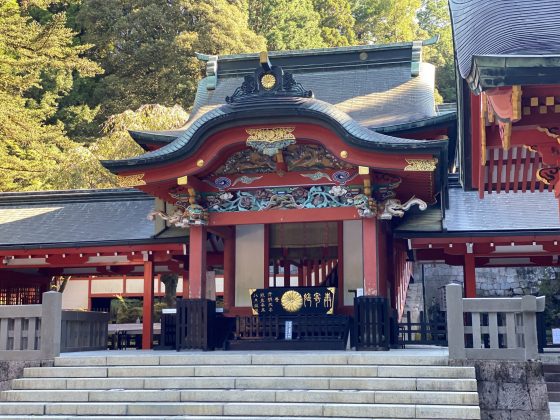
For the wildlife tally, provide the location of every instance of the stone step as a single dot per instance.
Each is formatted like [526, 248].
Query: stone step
[553, 386]
[252, 370]
[551, 368]
[551, 377]
[553, 396]
[268, 358]
[244, 409]
[250, 395]
[43, 417]
[390, 384]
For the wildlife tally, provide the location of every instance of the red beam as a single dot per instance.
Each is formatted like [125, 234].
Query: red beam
[283, 216]
[90, 251]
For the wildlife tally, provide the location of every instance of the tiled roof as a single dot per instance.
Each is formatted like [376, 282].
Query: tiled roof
[268, 109]
[71, 217]
[467, 213]
[374, 85]
[495, 212]
[504, 30]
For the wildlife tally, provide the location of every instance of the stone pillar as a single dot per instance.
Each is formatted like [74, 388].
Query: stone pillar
[148, 305]
[51, 318]
[369, 247]
[197, 262]
[455, 325]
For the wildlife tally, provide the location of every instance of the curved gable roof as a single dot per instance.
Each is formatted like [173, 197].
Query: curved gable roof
[270, 110]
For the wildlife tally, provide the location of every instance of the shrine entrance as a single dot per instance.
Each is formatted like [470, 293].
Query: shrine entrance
[303, 254]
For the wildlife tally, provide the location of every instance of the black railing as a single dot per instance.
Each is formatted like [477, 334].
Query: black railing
[311, 332]
[544, 335]
[168, 333]
[372, 326]
[422, 332]
[194, 324]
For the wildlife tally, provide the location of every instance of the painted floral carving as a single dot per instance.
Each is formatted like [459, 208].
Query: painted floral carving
[281, 198]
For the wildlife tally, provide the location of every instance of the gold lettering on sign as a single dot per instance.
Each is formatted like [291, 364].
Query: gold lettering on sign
[270, 135]
[421, 165]
[130, 180]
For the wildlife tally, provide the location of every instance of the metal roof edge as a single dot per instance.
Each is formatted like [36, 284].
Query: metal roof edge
[65, 196]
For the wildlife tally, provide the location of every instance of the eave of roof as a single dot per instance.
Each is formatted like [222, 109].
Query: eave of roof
[503, 28]
[491, 71]
[321, 58]
[271, 110]
[165, 137]
[71, 196]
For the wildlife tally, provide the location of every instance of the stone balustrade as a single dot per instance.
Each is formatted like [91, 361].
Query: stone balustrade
[510, 331]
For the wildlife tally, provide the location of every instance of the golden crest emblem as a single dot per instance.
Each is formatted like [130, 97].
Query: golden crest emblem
[291, 301]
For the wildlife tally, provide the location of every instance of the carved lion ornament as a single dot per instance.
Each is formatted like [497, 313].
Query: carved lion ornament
[182, 217]
[393, 207]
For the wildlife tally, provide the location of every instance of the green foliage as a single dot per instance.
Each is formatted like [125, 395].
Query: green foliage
[71, 71]
[337, 22]
[80, 165]
[550, 287]
[147, 48]
[286, 24]
[126, 310]
[37, 61]
[386, 21]
[433, 19]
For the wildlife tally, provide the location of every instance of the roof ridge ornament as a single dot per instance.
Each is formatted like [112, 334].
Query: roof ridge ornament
[268, 81]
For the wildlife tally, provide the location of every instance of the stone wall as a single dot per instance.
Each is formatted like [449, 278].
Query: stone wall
[14, 369]
[510, 389]
[490, 282]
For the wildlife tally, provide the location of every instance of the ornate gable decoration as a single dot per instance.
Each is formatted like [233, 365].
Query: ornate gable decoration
[268, 80]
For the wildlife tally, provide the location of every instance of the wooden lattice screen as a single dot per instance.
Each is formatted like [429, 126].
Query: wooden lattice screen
[27, 295]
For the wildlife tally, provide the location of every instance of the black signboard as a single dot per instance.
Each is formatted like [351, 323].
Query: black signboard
[293, 300]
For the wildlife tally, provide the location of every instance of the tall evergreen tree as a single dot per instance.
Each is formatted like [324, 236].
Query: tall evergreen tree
[37, 61]
[385, 21]
[286, 24]
[337, 22]
[147, 47]
[433, 19]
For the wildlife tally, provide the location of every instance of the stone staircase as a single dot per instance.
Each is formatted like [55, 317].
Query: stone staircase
[552, 379]
[235, 386]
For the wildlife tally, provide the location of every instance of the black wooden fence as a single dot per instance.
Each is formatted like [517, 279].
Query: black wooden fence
[195, 324]
[372, 326]
[301, 332]
[424, 331]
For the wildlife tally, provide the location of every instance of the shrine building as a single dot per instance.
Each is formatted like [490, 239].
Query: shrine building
[314, 176]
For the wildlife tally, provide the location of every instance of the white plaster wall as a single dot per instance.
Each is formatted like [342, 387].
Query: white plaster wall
[75, 295]
[134, 285]
[249, 262]
[353, 265]
[106, 286]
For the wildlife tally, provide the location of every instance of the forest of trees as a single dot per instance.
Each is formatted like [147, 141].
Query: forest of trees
[76, 74]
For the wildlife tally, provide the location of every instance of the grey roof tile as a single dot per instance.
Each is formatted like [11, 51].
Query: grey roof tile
[498, 27]
[54, 219]
[513, 211]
